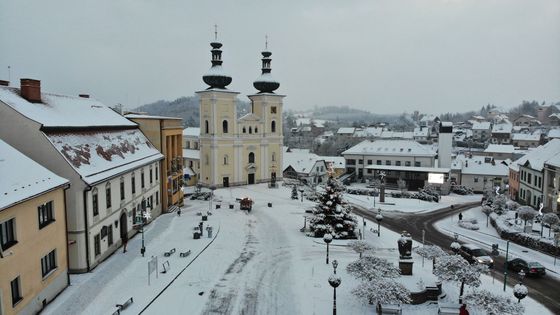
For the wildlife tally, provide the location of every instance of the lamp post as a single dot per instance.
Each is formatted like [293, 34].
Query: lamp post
[328, 239]
[335, 264]
[520, 291]
[455, 246]
[301, 192]
[143, 249]
[212, 188]
[334, 281]
[379, 217]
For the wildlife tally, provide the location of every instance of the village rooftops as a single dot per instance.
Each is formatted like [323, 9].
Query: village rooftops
[502, 128]
[23, 178]
[480, 165]
[420, 169]
[346, 131]
[64, 112]
[526, 136]
[536, 158]
[191, 132]
[483, 125]
[191, 154]
[301, 160]
[500, 148]
[554, 133]
[142, 116]
[390, 148]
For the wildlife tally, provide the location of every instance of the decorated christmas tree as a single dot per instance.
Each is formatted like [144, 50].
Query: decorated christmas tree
[332, 214]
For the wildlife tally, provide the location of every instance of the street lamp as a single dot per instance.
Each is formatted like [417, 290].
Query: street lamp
[334, 281]
[520, 291]
[379, 217]
[328, 239]
[143, 249]
[301, 192]
[212, 188]
[455, 246]
[335, 264]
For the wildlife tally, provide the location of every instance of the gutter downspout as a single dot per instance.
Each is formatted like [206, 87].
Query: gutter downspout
[66, 235]
[86, 227]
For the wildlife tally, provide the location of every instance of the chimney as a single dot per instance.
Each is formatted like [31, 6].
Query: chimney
[4, 83]
[84, 95]
[31, 90]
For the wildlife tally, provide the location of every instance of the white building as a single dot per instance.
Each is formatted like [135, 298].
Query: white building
[481, 131]
[305, 166]
[479, 172]
[552, 183]
[112, 167]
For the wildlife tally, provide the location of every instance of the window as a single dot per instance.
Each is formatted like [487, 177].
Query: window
[48, 263]
[529, 178]
[398, 163]
[273, 126]
[250, 130]
[122, 188]
[142, 184]
[387, 162]
[190, 163]
[133, 183]
[369, 162]
[94, 201]
[251, 157]
[206, 126]
[151, 175]
[360, 162]
[225, 126]
[273, 156]
[407, 163]
[16, 291]
[108, 195]
[97, 244]
[417, 163]
[45, 212]
[206, 159]
[476, 179]
[8, 234]
[226, 159]
[109, 234]
[188, 144]
[157, 198]
[244, 130]
[273, 109]
[351, 162]
[379, 162]
[157, 173]
[256, 130]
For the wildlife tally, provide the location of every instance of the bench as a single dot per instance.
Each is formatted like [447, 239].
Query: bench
[163, 265]
[123, 306]
[169, 253]
[185, 254]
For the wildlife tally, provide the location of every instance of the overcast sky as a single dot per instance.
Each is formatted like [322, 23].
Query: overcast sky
[384, 56]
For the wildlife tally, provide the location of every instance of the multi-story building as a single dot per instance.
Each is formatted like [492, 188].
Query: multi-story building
[527, 140]
[552, 183]
[33, 264]
[513, 181]
[478, 172]
[481, 131]
[191, 155]
[239, 151]
[501, 133]
[305, 166]
[112, 167]
[166, 134]
[532, 181]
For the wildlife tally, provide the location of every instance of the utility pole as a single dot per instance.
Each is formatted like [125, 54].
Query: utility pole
[506, 265]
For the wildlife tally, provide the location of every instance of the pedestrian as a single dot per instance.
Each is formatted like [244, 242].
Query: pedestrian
[463, 310]
[124, 238]
[460, 216]
[179, 212]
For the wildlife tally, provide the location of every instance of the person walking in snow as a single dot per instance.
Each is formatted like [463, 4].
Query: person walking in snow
[124, 238]
[463, 310]
[460, 216]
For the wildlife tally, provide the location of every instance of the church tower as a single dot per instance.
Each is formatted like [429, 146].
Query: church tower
[267, 105]
[218, 123]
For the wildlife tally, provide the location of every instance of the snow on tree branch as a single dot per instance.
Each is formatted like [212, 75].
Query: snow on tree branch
[456, 268]
[382, 290]
[493, 304]
[430, 251]
[372, 268]
[360, 247]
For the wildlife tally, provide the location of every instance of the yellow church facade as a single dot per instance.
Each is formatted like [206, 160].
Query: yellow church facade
[239, 150]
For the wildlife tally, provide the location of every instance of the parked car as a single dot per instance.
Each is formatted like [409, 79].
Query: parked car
[475, 254]
[531, 268]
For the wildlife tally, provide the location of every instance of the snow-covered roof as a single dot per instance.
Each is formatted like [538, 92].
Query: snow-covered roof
[526, 136]
[554, 161]
[140, 116]
[479, 165]
[537, 157]
[301, 160]
[23, 178]
[482, 125]
[502, 128]
[64, 111]
[346, 130]
[421, 169]
[188, 171]
[319, 123]
[500, 148]
[337, 161]
[191, 132]
[97, 156]
[554, 133]
[249, 117]
[390, 147]
[420, 132]
[191, 154]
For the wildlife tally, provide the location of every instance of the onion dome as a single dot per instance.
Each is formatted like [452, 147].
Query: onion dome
[265, 83]
[215, 77]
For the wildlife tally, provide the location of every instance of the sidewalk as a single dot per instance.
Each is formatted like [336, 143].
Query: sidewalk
[486, 236]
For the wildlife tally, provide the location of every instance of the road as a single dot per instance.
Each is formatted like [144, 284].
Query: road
[540, 289]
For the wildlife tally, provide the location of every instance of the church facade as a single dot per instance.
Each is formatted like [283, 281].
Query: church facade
[239, 150]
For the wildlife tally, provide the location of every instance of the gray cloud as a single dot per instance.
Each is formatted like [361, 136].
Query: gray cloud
[384, 56]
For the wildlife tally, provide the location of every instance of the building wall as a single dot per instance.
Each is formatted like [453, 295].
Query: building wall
[361, 161]
[531, 184]
[480, 182]
[551, 188]
[513, 184]
[24, 258]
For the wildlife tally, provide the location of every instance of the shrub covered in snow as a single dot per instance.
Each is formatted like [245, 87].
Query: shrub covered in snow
[551, 220]
[294, 192]
[456, 269]
[360, 247]
[471, 224]
[331, 214]
[461, 190]
[430, 252]
[382, 291]
[492, 304]
[372, 268]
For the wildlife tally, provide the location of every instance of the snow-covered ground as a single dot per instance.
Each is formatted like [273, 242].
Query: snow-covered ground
[258, 263]
[404, 205]
[486, 236]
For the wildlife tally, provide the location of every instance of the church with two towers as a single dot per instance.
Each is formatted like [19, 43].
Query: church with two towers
[239, 150]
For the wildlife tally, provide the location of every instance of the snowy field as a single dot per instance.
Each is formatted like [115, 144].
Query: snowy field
[404, 205]
[486, 236]
[257, 263]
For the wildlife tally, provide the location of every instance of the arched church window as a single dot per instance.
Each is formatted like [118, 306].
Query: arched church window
[244, 130]
[226, 159]
[251, 156]
[273, 126]
[250, 129]
[273, 156]
[206, 126]
[225, 126]
[256, 130]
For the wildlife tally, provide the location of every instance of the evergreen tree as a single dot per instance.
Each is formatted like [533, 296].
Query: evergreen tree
[294, 192]
[332, 214]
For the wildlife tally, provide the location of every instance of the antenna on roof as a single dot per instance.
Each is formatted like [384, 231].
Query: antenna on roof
[215, 32]
[9, 74]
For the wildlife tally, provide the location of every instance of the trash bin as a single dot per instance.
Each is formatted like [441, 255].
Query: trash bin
[196, 235]
[231, 206]
[204, 218]
[270, 204]
[218, 206]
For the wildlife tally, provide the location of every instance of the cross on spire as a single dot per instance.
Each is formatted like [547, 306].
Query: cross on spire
[215, 31]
